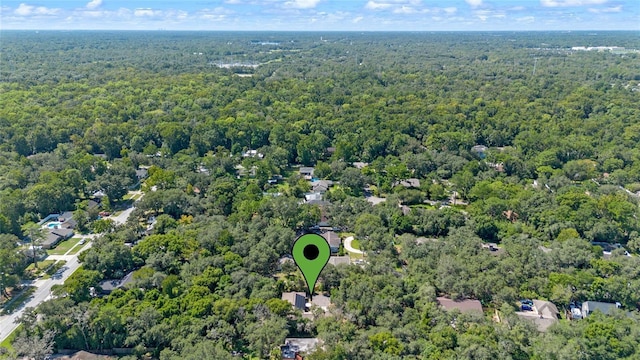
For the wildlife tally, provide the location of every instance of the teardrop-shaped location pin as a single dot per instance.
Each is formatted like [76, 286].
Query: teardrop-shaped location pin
[311, 253]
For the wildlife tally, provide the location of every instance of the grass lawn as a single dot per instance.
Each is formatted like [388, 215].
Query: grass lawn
[132, 196]
[18, 300]
[76, 249]
[355, 244]
[423, 206]
[42, 265]
[7, 342]
[64, 246]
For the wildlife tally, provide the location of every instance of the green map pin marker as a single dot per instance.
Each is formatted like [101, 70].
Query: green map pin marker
[311, 253]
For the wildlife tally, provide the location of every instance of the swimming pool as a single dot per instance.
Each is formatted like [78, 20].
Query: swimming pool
[54, 225]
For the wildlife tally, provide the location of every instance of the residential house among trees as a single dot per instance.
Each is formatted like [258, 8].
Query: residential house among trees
[465, 306]
[589, 307]
[307, 172]
[334, 241]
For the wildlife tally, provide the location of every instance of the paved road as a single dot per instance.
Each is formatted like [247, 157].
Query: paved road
[122, 218]
[349, 248]
[43, 291]
[7, 324]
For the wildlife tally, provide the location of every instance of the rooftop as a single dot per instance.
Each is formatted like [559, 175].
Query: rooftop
[543, 314]
[409, 183]
[339, 260]
[332, 238]
[465, 306]
[112, 284]
[591, 306]
[296, 299]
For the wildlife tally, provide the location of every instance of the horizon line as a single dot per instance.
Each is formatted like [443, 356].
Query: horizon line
[331, 31]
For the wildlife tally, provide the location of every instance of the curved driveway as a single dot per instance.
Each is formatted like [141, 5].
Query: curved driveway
[349, 248]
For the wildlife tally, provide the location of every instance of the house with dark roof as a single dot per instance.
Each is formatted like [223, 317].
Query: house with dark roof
[296, 299]
[107, 286]
[465, 306]
[290, 352]
[334, 241]
[54, 236]
[67, 221]
[50, 240]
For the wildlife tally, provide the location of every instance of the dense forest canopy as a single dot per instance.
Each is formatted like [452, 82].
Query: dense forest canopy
[508, 138]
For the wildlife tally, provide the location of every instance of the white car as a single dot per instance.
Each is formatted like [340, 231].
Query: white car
[82, 241]
[576, 313]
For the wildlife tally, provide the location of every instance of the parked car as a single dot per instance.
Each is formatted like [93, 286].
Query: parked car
[525, 307]
[104, 213]
[576, 313]
[526, 302]
[82, 241]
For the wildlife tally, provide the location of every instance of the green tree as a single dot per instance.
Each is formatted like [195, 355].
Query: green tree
[36, 236]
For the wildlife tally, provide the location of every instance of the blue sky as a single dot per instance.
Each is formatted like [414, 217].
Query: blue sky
[322, 15]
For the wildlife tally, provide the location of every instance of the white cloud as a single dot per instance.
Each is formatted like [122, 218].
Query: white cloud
[146, 12]
[474, 3]
[568, 3]
[94, 4]
[357, 19]
[526, 19]
[302, 4]
[517, 8]
[404, 9]
[450, 10]
[484, 15]
[614, 9]
[30, 10]
[372, 5]
[95, 13]
[217, 14]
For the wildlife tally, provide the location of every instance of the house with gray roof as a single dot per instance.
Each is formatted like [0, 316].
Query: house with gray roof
[107, 286]
[339, 260]
[408, 183]
[589, 307]
[296, 299]
[321, 186]
[307, 172]
[465, 306]
[54, 236]
[334, 241]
